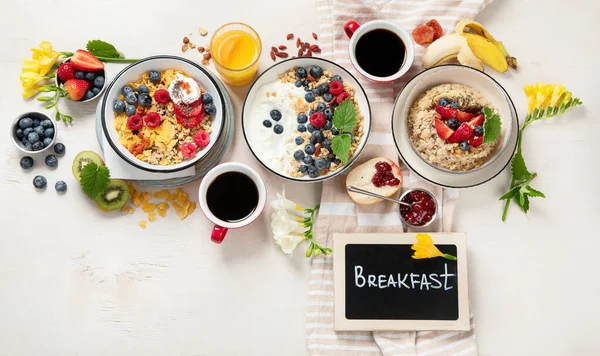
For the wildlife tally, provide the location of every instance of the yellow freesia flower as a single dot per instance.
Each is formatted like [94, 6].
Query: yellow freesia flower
[543, 95]
[424, 248]
[35, 70]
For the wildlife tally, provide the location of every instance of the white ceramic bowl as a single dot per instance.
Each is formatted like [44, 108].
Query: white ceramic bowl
[271, 75]
[491, 90]
[132, 73]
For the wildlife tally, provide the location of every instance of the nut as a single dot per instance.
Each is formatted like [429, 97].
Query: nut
[204, 62]
[186, 40]
[184, 48]
[202, 31]
[207, 56]
[200, 49]
[192, 45]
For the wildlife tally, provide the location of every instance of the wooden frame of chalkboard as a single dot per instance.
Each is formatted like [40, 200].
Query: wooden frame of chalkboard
[376, 309]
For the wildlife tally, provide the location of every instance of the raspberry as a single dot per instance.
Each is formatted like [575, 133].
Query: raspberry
[340, 98]
[152, 120]
[135, 122]
[188, 122]
[202, 138]
[188, 150]
[336, 87]
[318, 119]
[194, 109]
[162, 96]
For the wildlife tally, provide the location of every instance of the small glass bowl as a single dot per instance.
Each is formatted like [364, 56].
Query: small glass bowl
[434, 214]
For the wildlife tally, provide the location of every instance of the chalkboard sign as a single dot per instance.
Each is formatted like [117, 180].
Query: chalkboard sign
[379, 286]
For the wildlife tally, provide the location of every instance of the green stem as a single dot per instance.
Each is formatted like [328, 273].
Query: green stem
[528, 120]
[314, 248]
[449, 257]
[118, 60]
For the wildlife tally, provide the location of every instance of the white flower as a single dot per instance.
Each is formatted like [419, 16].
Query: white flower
[287, 223]
[282, 203]
[288, 243]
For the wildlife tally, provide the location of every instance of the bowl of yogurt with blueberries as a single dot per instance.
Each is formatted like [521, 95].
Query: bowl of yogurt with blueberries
[306, 119]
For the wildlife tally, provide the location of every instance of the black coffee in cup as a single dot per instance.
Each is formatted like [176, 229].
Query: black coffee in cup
[232, 196]
[380, 52]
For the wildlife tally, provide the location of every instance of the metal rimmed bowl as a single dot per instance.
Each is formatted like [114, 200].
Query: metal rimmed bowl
[432, 218]
[272, 75]
[34, 115]
[59, 82]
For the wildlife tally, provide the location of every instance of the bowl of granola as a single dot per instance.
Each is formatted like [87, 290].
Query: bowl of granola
[306, 119]
[162, 113]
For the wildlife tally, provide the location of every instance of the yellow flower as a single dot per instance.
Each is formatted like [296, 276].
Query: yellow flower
[424, 248]
[35, 70]
[543, 95]
[31, 81]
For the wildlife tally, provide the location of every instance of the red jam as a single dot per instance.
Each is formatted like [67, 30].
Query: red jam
[422, 208]
[384, 175]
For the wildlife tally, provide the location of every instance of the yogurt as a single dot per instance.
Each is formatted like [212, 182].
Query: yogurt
[184, 90]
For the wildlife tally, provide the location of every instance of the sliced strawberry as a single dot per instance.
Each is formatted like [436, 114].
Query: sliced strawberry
[446, 112]
[476, 141]
[463, 133]
[188, 122]
[462, 116]
[477, 121]
[65, 71]
[195, 109]
[86, 62]
[76, 88]
[443, 131]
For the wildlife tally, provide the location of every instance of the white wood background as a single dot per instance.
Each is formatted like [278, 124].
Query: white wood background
[76, 281]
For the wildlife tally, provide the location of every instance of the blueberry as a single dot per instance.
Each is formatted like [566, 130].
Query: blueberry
[79, 75]
[311, 112]
[36, 122]
[154, 76]
[90, 76]
[19, 133]
[321, 107]
[131, 98]
[127, 89]
[27, 131]
[478, 130]
[29, 146]
[37, 146]
[327, 97]
[88, 95]
[301, 128]
[51, 161]
[309, 97]
[326, 143]
[316, 92]
[210, 109]
[298, 83]
[464, 146]
[26, 162]
[453, 124]
[145, 100]
[275, 114]
[130, 110]
[328, 125]
[443, 102]
[46, 123]
[207, 98]
[310, 128]
[303, 169]
[47, 142]
[324, 88]
[118, 106]
[298, 155]
[328, 113]
[60, 186]
[39, 130]
[49, 133]
[302, 118]
[278, 129]
[299, 140]
[33, 137]
[337, 161]
[309, 149]
[39, 182]
[316, 72]
[454, 105]
[99, 82]
[337, 77]
[322, 163]
[95, 90]
[25, 123]
[59, 148]
[313, 172]
[316, 136]
[267, 123]
[24, 140]
[143, 89]
[308, 160]
[301, 73]
[306, 88]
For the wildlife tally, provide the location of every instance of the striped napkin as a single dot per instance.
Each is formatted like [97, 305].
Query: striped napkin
[339, 214]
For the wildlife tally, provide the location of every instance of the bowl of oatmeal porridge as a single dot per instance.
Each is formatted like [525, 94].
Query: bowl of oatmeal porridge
[162, 114]
[299, 114]
[442, 126]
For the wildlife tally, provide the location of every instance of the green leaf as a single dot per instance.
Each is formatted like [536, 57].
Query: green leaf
[523, 202]
[50, 106]
[340, 145]
[94, 179]
[102, 49]
[535, 193]
[511, 193]
[518, 167]
[44, 98]
[344, 117]
[491, 126]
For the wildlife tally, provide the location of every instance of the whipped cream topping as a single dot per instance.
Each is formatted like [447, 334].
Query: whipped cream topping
[184, 90]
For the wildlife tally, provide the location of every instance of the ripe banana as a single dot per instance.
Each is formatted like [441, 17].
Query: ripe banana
[450, 47]
[487, 52]
[479, 30]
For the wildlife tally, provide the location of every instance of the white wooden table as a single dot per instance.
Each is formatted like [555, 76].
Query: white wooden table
[75, 281]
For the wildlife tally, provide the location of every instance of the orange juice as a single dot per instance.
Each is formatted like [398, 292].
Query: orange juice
[235, 48]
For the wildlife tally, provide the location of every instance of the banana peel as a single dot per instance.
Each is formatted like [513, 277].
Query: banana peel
[480, 30]
[487, 52]
[450, 47]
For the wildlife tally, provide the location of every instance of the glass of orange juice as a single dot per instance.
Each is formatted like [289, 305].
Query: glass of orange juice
[235, 48]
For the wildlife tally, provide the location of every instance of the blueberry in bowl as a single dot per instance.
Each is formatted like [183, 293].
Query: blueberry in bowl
[82, 76]
[33, 132]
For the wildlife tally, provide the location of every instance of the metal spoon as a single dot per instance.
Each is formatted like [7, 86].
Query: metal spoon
[365, 192]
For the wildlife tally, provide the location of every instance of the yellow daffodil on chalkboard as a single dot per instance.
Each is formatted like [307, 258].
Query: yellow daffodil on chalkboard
[424, 248]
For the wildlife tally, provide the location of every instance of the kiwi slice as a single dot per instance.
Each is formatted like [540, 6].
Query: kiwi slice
[114, 196]
[83, 158]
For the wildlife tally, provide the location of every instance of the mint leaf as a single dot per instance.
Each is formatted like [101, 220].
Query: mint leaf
[491, 126]
[344, 117]
[94, 179]
[511, 193]
[102, 49]
[535, 193]
[518, 168]
[340, 145]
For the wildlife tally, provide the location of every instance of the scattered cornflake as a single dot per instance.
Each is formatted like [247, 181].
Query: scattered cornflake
[127, 209]
[146, 196]
[179, 200]
[152, 216]
[142, 224]
[148, 207]
[162, 206]
[162, 212]
[162, 194]
[202, 31]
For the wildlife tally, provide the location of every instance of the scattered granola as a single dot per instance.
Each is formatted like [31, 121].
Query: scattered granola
[164, 200]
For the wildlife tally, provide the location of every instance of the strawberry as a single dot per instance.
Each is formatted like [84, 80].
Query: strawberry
[188, 122]
[443, 131]
[476, 141]
[463, 133]
[477, 121]
[86, 62]
[446, 112]
[462, 116]
[195, 109]
[76, 88]
[66, 71]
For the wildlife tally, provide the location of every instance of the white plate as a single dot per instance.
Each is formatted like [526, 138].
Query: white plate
[133, 73]
[490, 89]
[271, 75]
